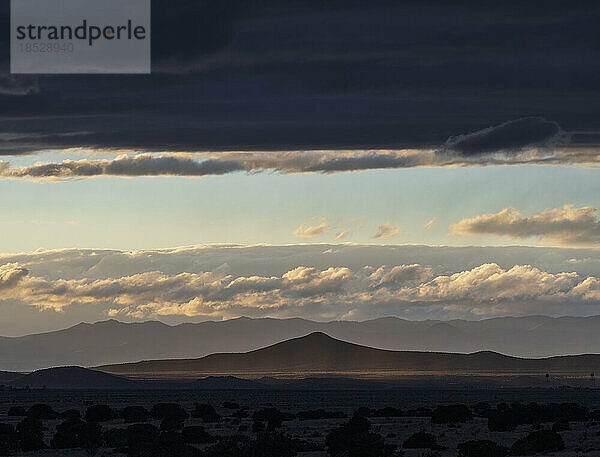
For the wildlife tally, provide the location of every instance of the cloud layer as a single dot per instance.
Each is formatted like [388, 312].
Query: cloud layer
[45, 290]
[509, 137]
[567, 226]
[338, 291]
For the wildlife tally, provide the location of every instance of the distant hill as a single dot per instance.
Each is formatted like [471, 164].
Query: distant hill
[72, 378]
[8, 376]
[226, 383]
[319, 353]
[110, 342]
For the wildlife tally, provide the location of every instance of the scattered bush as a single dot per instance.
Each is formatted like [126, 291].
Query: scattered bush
[30, 434]
[505, 418]
[115, 437]
[388, 412]
[241, 413]
[422, 440]
[230, 405]
[354, 439]
[481, 448]
[197, 435]
[41, 412]
[170, 424]
[540, 441]
[265, 445]
[131, 414]
[8, 439]
[451, 414]
[561, 426]
[257, 427]
[99, 413]
[272, 416]
[205, 412]
[70, 413]
[320, 414]
[162, 411]
[17, 411]
[73, 433]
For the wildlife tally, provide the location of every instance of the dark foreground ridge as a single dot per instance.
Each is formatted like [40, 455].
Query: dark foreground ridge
[317, 354]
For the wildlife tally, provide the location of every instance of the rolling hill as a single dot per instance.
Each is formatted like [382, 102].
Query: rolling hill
[318, 353]
[72, 378]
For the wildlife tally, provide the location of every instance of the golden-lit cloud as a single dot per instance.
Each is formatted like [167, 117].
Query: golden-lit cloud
[311, 231]
[430, 223]
[387, 231]
[566, 226]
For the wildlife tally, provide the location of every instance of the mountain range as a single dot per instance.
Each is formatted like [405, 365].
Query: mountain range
[319, 354]
[113, 342]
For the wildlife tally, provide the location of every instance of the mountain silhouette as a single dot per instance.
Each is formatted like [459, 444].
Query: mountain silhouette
[71, 378]
[318, 353]
[111, 342]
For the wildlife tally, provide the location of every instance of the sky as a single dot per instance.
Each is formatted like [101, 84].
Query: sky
[315, 130]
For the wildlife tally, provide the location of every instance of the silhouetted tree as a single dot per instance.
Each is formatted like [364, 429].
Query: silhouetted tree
[354, 439]
[162, 411]
[132, 414]
[540, 441]
[99, 413]
[42, 412]
[422, 440]
[481, 448]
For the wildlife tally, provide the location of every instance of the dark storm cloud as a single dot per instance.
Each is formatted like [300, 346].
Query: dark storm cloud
[511, 136]
[248, 75]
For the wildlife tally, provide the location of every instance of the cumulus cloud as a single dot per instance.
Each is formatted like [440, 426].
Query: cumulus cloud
[510, 137]
[341, 235]
[311, 231]
[487, 289]
[430, 223]
[11, 274]
[562, 226]
[387, 231]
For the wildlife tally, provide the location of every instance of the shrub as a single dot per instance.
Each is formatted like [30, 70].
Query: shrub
[170, 424]
[388, 412]
[354, 439]
[132, 414]
[481, 448]
[319, 414]
[17, 411]
[99, 413]
[540, 441]
[197, 435]
[74, 433]
[115, 437]
[205, 412]
[561, 426]
[42, 412]
[272, 415]
[241, 413]
[30, 434]
[8, 439]
[506, 418]
[70, 413]
[265, 445]
[230, 405]
[422, 440]
[451, 413]
[162, 411]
